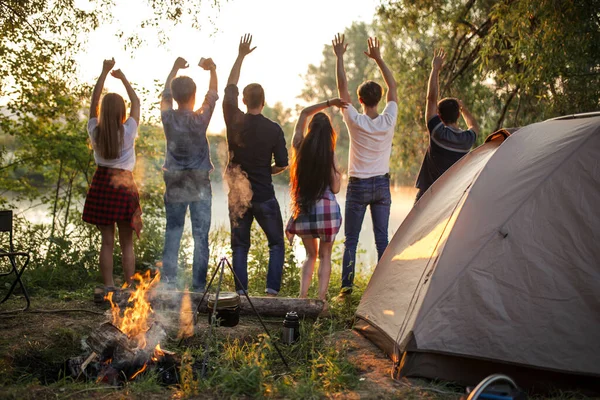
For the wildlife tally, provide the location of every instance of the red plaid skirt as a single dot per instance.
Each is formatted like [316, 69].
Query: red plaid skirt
[113, 197]
[323, 221]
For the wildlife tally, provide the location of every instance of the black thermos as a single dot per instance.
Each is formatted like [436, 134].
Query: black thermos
[291, 328]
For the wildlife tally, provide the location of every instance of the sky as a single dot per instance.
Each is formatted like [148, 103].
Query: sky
[289, 36]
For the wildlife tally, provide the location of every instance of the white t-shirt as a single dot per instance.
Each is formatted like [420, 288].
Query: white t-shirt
[127, 158]
[370, 141]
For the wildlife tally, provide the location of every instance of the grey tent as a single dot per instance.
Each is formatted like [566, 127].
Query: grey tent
[497, 267]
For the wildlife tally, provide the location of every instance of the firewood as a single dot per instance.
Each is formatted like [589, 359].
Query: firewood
[106, 338]
[274, 306]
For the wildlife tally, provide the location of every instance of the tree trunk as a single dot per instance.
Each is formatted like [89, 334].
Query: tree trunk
[69, 196]
[505, 108]
[56, 199]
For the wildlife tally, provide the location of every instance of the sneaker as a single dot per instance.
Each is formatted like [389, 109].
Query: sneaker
[345, 291]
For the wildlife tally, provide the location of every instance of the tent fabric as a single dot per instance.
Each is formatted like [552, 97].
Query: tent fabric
[500, 260]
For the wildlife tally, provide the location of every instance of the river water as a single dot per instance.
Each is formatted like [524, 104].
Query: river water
[402, 202]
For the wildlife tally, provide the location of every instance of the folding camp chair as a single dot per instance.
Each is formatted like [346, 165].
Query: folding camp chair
[6, 225]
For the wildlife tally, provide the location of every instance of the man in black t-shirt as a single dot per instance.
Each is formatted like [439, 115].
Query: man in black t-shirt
[447, 142]
[254, 141]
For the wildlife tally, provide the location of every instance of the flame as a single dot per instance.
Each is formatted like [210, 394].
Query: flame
[139, 372]
[114, 308]
[134, 322]
[186, 317]
[157, 353]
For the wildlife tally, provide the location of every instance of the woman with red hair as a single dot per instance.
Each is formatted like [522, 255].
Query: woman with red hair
[314, 180]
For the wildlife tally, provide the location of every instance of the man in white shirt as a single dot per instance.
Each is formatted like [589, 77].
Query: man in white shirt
[371, 137]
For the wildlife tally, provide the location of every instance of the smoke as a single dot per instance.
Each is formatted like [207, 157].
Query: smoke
[240, 191]
[186, 317]
[122, 180]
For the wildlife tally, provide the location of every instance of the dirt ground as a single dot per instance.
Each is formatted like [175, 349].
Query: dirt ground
[35, 345]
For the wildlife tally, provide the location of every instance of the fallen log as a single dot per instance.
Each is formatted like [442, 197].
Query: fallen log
[266, 306]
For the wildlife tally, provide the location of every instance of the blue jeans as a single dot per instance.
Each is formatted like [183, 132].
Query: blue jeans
[268, 216]
[373, 192]
[200, 216]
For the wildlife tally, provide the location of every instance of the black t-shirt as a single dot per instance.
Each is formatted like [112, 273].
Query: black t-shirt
[253, 141]
[447, 145]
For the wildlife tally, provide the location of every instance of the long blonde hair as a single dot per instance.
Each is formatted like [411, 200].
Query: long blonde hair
[108, 135]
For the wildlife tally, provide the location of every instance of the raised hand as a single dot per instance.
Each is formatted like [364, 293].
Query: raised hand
[245, 43]
[439, 56]
[339, 47]
[339, 103]
[207, 64]
[107, 65]
[117, 73]
[180, 63]
[373, 49]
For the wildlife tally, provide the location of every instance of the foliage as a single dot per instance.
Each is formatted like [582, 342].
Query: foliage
[41, 122]
[513, 62]
[320, 80]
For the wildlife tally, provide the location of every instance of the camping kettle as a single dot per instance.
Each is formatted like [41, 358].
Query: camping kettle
[291, 328]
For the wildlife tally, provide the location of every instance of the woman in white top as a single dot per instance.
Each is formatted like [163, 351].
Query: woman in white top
[113, 197]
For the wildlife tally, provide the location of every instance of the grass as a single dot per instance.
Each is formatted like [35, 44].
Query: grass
[35, 347]
[240, 367]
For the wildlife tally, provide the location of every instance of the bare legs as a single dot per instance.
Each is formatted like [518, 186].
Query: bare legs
[324, 268]
[126, 241]
[312, 248]
[323, 250]
[106, 251]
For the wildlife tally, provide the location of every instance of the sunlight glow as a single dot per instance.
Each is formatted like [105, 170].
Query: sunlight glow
[429, 246]
[285, 47]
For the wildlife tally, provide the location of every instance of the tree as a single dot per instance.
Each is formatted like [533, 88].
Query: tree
[320, 80]
[541, 58]
[513, 62]
[47, 158]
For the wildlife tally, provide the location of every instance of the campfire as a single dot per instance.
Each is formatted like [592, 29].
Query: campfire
[129, 345]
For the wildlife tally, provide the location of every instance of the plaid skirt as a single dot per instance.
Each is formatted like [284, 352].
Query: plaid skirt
[113, 197]
[323, 221]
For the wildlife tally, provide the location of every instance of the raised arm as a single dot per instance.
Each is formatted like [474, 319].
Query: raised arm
[374, 53]
[166, 101]
[306, 113]
[432, 88]
[208, 64]
[134, 112]
[468, 117]
[243, 50]
[106, 67]
[339, 48]
[336, 177]
[208, 105]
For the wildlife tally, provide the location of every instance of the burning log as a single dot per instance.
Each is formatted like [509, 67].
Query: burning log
[154, 336]
[130, 345]
[104, 340]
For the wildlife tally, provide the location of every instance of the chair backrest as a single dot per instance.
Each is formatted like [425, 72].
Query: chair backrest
[6, 224]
